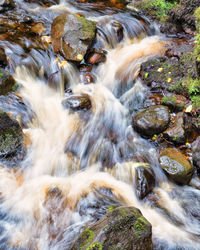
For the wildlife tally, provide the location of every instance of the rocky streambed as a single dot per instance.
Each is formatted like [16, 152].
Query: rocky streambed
[100, 121]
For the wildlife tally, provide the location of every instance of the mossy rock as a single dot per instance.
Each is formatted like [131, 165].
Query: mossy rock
[10, 135]
[7, 82]
[175, 164]
[122, 228]
[155, 9]
[173, 103]
[72, 35]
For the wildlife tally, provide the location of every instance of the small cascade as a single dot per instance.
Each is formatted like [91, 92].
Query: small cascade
[81, 161]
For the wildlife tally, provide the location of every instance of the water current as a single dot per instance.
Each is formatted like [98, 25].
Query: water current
[77, 164]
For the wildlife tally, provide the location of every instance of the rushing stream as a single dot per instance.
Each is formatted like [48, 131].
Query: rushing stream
[77, 163]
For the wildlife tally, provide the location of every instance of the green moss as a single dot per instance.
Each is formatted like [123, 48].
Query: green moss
[111, 208]
[141, 226]
[86, 236]
[157, 8]
[172, 103]
[88, 26]
[95, 246]
[197, 37]
[9, 140]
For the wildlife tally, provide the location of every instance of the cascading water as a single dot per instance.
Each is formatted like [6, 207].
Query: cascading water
[78, 159]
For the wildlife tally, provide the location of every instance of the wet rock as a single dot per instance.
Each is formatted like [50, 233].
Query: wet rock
[122, 228]
[7, 82]
[10, 135]
[38, 28]
[174, 163]
[152, 120]
[95, 56]
[3, 59]
[87, 78]
[173, 103]
[196, 153]
[85, 68]
[72, 35]
[117, 30]
[6, 5]
[77, 102]
[176, 133]
[144, 181]
[192, 127]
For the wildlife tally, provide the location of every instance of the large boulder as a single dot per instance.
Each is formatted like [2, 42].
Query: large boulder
[176, 133]
[152, 120]
[196, 153]
[7, 82]
[176, 165]
[122, 228]
[11, 137]
[72, 35]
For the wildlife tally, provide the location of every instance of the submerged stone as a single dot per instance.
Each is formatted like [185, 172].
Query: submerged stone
[121, 228]
[152, 120]
[176, 165]
[72, 35]
[10, 135]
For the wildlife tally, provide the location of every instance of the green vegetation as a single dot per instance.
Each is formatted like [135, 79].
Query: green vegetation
[157, 8]
[95, 246]
[88, 27]
[86, 236]
[197, 37]
[173, 103]
[140, 225]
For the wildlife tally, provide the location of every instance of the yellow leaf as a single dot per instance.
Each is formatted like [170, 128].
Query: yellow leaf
[169, 79]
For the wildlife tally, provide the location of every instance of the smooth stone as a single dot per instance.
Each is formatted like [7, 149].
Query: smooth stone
[176, 165]
[152, 120]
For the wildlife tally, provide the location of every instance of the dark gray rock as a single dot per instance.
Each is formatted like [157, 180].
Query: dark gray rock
[152, 120]
[176, 165]
[122, 228]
